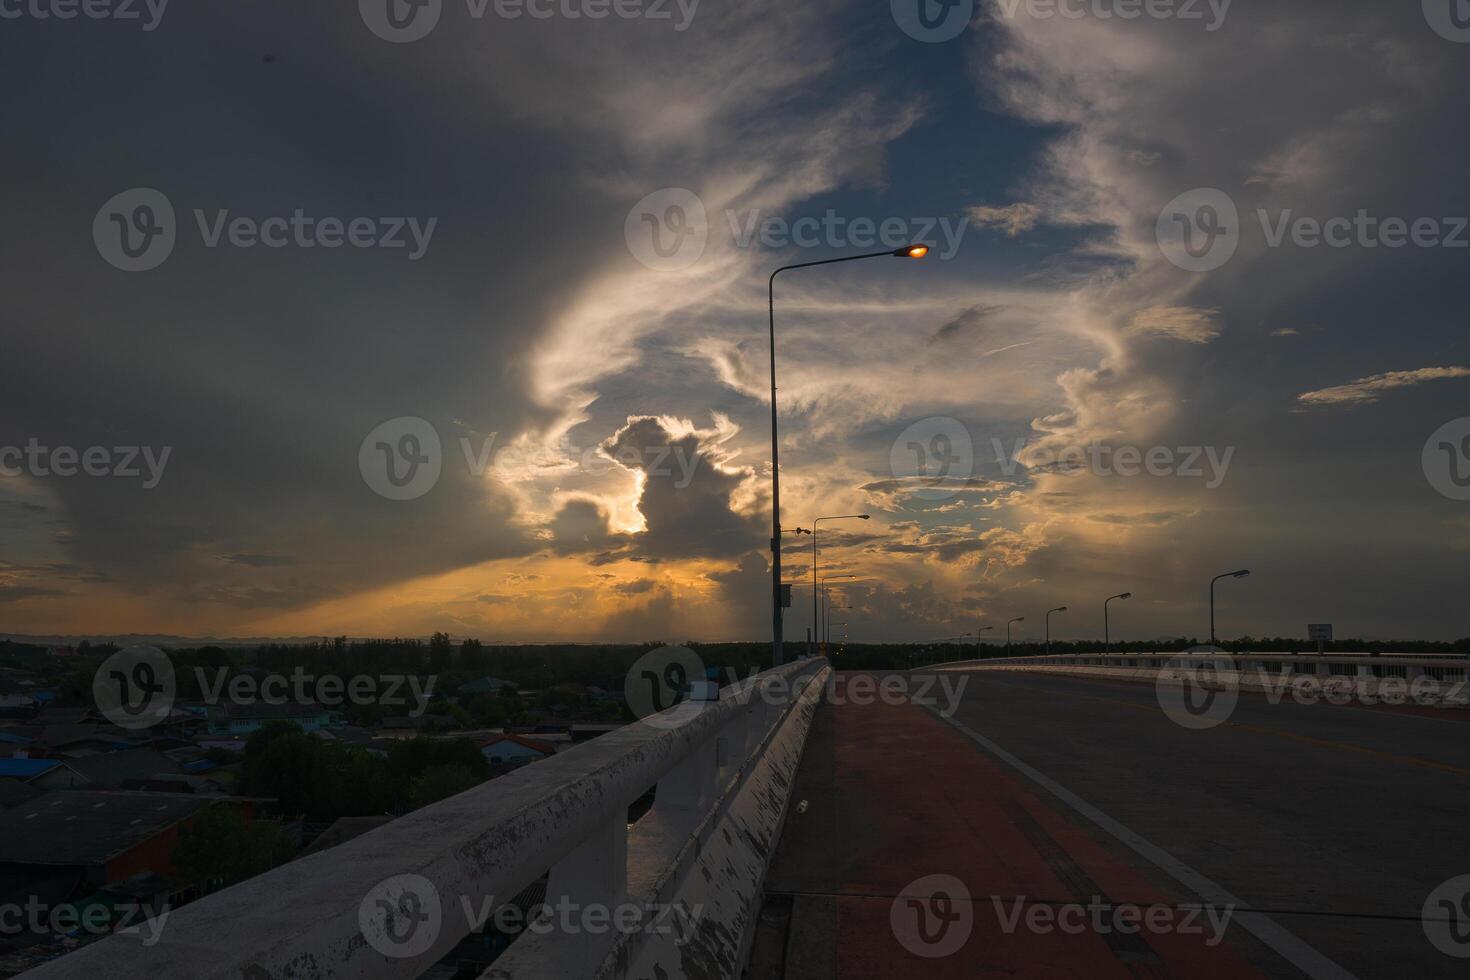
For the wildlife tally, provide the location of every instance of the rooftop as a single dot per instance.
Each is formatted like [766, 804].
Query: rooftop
[89, 827]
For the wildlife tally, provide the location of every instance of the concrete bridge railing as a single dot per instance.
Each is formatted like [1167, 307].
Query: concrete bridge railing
[1437, 678]
[391, 903]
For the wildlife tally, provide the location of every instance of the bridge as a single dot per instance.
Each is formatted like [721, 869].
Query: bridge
[1122, 815]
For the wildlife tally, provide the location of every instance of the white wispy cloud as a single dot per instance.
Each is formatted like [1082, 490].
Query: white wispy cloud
[1013, 219]
[1365, 391]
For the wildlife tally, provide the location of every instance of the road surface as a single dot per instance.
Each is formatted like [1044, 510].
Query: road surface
[1096, 837]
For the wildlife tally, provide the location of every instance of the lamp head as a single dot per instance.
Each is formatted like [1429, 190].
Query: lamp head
[911, 252]
[1240, 574]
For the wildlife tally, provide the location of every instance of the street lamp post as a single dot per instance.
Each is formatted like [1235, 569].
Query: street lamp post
[1240, 574]
[1018, 619]
[1107, 637]
[978, 631]
[1048, 626]
[908, 251]
[826, 622]
[840, 517]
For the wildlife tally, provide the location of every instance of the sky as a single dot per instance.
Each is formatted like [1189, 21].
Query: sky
[390, 318]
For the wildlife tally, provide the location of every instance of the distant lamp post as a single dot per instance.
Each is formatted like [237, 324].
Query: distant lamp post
[1048, 626]
[816, 628]
[1018, 619]
[980, 630]
[914, 251]
[1240, 574]
[1107, 637]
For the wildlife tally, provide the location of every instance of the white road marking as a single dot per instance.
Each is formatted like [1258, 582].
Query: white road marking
[1290, 948]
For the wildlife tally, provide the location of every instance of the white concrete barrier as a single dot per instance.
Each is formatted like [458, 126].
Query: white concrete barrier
[722, 769]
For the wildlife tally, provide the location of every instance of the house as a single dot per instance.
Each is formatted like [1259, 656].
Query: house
[83, 739]
[511, 751]
[41, 774]
[245, 719]
[95, 836]
[111, 770]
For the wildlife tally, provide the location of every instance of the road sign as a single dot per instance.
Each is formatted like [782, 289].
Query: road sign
[1321, 632]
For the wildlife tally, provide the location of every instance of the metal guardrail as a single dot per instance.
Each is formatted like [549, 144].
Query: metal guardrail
[1347, 664]
[729, 760]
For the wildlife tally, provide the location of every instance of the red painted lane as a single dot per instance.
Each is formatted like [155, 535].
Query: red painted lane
[933, 803]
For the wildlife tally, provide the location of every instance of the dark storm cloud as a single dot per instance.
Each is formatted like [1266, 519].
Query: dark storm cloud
[687, 494]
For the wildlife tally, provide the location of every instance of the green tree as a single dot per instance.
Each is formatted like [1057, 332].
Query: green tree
[221, 846]
[440, 782]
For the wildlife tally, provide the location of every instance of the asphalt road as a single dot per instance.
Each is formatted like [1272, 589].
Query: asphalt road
[1327, 827]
